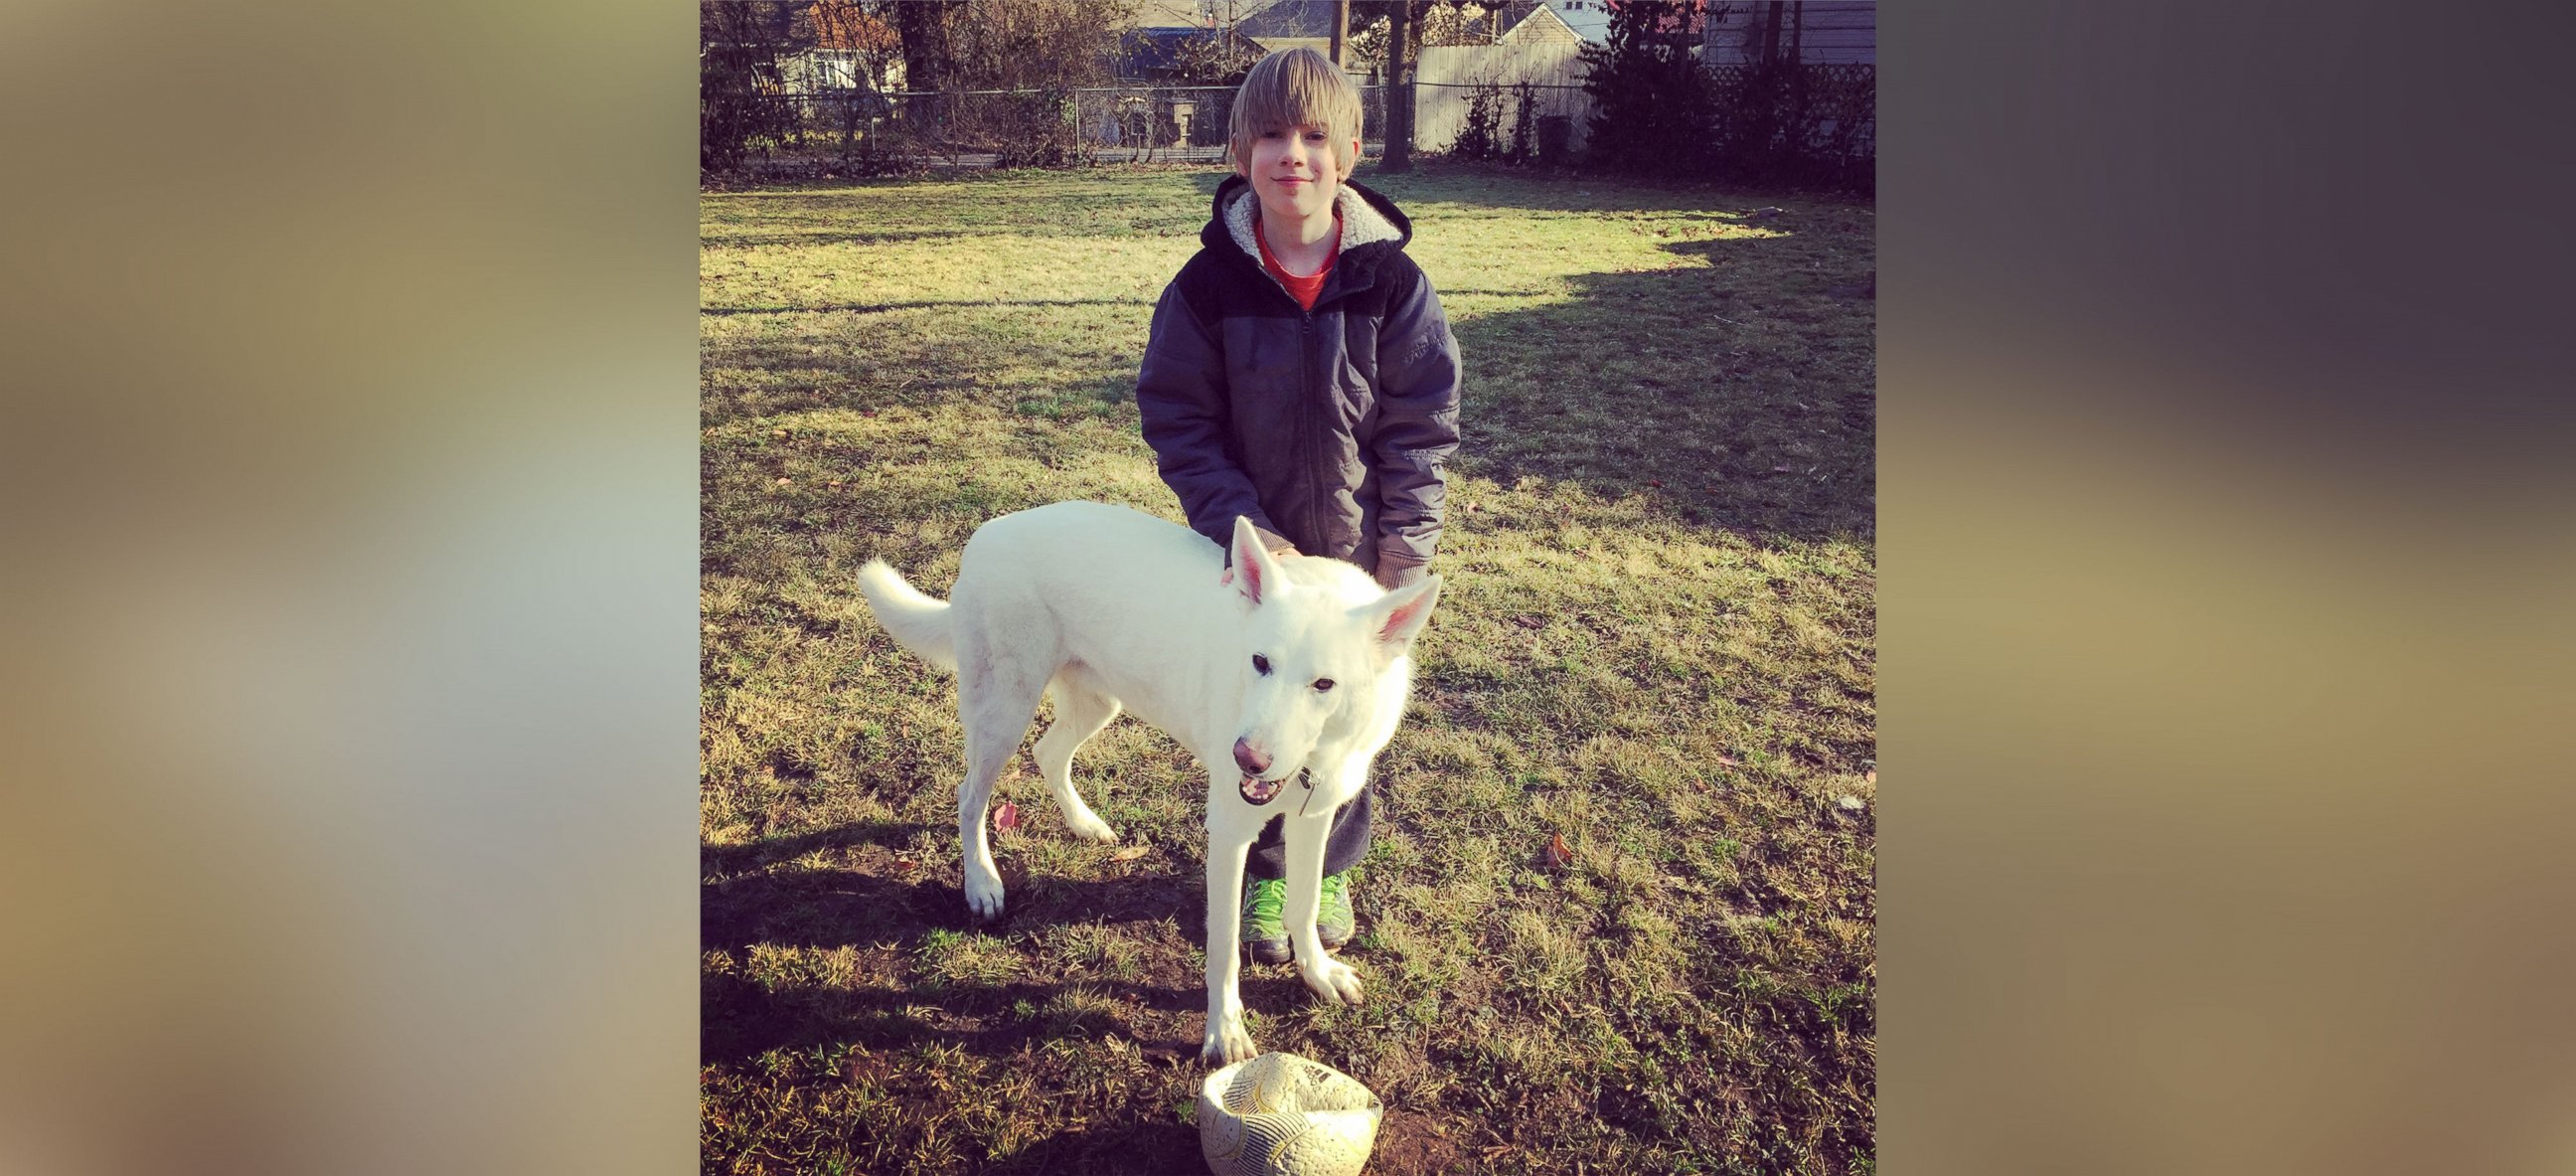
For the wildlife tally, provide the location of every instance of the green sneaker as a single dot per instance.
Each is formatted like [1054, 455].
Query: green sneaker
[1265, 931]
[1333, 923]
[1264, 935]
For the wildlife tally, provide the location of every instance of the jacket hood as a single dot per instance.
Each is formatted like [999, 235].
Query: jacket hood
[1368, 218]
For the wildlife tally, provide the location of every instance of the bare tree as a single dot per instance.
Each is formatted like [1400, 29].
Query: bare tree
[924, 29]
[1401, 53]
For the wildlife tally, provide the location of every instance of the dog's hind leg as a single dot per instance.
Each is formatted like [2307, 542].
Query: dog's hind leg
[1080, 713]
[995, 700]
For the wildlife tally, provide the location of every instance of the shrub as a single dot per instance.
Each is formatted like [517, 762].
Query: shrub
[1477, 139]
[1652, 112]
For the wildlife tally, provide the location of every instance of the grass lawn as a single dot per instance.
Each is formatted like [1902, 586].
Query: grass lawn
[1657, 641]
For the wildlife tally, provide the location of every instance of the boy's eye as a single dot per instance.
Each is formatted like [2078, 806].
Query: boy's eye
[1323, 684]
[1261, 665]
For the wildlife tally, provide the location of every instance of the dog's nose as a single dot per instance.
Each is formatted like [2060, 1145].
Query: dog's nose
[1252, 762]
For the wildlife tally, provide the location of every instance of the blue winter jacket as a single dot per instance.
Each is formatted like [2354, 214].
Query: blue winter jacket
[1329, 427]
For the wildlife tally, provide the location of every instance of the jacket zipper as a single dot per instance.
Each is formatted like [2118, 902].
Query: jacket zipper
[1306, 428]
[1307, 424]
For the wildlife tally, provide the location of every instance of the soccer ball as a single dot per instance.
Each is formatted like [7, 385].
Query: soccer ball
[1282, 1115]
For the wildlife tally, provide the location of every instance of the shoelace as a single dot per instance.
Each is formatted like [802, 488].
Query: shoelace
[1269, 897]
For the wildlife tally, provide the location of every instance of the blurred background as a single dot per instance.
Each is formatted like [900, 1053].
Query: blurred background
[351, 612]
[349, 435]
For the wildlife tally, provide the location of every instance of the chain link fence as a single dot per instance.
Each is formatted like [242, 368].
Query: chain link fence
[862, 131]
[1812, 125]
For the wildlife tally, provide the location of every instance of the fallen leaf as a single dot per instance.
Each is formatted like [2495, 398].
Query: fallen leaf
[782, 432]
[1006, 816]
[1852, 804]
[1871, 778]
[1529, 622]
[1129, 854]
[1556, 856]
[834, 484]
[782, 481]
[1781, 469]
[1729, 761]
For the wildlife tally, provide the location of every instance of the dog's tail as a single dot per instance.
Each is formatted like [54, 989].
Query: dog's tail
[919, 623]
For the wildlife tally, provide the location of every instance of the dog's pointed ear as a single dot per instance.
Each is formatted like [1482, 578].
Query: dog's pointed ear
[1399, 617]
[1255, 572]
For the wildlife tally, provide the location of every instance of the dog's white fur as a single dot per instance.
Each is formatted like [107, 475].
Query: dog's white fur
[1103, 607]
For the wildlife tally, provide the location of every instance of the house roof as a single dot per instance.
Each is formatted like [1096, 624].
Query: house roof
[1309, 19]
[848, 28]
[1289, 18]
[1169, 14]
[1144, 50]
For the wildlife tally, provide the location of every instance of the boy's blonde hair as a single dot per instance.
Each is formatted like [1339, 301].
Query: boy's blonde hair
[1295, 88]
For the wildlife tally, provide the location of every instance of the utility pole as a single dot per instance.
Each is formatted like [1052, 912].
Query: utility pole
[1341, 31]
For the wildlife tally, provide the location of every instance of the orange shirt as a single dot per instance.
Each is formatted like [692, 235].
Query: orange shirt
[1303, 289]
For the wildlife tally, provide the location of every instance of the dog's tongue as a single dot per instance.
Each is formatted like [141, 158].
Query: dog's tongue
[1259, 791]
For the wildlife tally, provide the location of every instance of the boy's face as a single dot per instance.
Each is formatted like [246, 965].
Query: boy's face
[1295, 172]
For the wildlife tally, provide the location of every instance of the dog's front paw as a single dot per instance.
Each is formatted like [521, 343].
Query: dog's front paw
[1226, 1043]
[1334, 980]
[983, 894]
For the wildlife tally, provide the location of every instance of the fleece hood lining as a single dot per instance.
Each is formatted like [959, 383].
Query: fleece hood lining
[1361, 223]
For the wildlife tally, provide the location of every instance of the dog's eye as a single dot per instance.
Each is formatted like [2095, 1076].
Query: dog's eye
[1261, 665]
[1323, 684]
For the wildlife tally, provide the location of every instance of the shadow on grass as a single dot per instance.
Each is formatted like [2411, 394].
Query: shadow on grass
[827, 909]
[1143, 1147]
[734, 859]
[1754, 426]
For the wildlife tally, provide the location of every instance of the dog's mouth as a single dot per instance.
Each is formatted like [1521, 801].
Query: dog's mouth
[1259, 791]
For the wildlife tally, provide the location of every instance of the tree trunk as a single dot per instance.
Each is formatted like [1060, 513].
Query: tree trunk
[1399, 91]
[924, 30]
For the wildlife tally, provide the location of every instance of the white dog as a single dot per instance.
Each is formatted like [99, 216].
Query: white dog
[1298, 665]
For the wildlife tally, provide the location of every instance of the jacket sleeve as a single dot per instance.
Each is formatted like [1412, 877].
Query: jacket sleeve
[1417, 429]
[1181, 395]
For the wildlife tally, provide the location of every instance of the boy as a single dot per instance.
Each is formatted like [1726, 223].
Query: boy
[1300, 372]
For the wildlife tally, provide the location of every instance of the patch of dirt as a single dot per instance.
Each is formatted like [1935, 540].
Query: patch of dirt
[1411, 1143]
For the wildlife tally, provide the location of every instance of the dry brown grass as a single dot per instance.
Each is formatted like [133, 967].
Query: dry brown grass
[1655, 643]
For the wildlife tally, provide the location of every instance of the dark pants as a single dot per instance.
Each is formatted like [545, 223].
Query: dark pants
[1347, 844]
